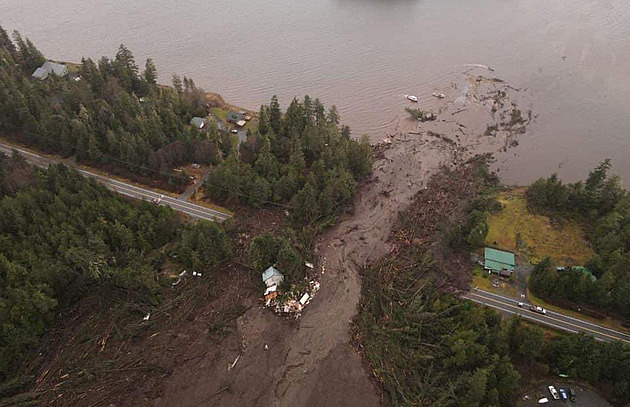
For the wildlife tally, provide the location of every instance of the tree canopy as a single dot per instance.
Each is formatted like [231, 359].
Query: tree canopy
[603, 205]
[106, 113]
[64, 237]
[301, 159]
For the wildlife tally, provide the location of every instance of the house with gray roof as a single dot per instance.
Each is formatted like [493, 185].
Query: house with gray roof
[49, 68]
[198, 122]
[272, 276]
[40, 73]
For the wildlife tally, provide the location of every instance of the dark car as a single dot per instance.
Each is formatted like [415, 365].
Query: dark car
[572, 394]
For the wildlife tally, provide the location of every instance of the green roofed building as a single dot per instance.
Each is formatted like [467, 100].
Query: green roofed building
[498, 261]
[586, 272]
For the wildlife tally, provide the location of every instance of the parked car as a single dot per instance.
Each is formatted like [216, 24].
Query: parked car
[234, 131]
[539, 310]
[554, 393]
[572, 395]
[563, 395]
[520, 304]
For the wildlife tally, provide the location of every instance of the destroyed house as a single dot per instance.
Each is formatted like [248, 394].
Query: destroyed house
[272, 276]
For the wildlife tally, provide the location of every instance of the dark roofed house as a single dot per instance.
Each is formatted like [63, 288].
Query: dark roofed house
[499, 261]
[234, 117]
[198, 122]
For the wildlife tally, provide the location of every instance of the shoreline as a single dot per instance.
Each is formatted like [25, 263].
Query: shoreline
[212, 98]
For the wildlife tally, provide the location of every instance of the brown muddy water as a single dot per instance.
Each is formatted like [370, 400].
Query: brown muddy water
[571, 58]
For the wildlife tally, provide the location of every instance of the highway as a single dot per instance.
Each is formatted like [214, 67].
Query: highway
[552, 319]
[188, 208]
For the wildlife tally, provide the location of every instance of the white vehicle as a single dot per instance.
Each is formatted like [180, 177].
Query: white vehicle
[543, 400]
[234, 131]
[439, 95]
[412, 98]
[520, 304]
[539, 310]
[554, 393]
[158, 200]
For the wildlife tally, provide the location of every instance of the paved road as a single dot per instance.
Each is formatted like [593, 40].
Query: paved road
[191, 209]
[552, 319]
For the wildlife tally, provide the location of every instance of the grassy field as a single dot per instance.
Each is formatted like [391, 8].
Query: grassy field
[220, 113]
[535, 237]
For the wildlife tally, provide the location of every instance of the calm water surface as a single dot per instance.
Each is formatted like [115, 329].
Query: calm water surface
[573, 56]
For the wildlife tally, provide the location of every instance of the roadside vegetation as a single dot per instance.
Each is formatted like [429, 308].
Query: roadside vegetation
[428, 347]
[603, 206]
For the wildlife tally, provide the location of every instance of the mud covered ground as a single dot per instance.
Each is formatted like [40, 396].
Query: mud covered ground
[255, 358]
[312, 363]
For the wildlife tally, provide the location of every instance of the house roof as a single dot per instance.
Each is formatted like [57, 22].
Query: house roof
[234, 116]
[198, 122]
[497, 266]
[498, 259]
[583, 270]
[271, 272]
[53, 67]
[40, 73]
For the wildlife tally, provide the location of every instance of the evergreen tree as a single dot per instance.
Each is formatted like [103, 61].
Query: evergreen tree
[263, 120]
[6, 43]
[275, 115]
[150, 72]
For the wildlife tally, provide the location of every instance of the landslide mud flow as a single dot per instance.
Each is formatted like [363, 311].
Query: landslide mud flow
[311, 362]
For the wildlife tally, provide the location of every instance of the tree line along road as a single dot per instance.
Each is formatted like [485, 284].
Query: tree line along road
[552, 319]
[188, 208]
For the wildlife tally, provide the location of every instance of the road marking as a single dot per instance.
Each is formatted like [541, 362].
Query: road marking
[130, 190]
[530, 317]
[187, 210]
[623, 334]
[152, 194]
[557, 320]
